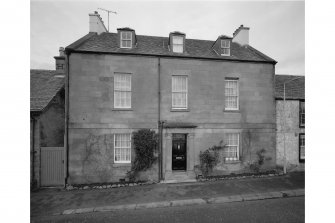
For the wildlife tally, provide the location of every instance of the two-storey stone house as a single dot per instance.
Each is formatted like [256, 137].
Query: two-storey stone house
[200, 92]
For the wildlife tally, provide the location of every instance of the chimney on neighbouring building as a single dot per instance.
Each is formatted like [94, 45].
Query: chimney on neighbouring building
[96, 23]
[241, 35]
[60, 60]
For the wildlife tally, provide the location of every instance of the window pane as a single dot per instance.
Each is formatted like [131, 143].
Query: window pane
[302, 146]
[302, 107]
[225, 51]
[125, 35]
[179, 91]
[225, 43]
[126, 39]
[122, 147]
[177, 40]
[122, 90]
[231, 146]
[128, 43]
[177, 48]
[231, 94]
[117, 99]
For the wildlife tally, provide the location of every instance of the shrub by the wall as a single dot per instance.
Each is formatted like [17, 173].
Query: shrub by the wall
[210, 158]
[256, 165]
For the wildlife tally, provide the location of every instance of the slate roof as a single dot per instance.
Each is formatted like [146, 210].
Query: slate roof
[44, 85]
[158, 46]
[294, 89]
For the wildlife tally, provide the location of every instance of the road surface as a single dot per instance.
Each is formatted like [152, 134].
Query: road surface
[271, 210]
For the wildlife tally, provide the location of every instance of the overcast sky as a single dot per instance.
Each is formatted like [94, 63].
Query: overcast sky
[276, 28]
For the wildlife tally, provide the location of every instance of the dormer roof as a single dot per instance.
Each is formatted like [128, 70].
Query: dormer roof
[125, 29]
[177, 33]
[225, 37]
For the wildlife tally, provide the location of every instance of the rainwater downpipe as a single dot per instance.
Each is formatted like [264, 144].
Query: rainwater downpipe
[159, 122]
[67, 117]
[33, 152]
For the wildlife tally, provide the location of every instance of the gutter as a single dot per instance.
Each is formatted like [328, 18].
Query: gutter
[33, 152]
[169, 56]
[159, 121]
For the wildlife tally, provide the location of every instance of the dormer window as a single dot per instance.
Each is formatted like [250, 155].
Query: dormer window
[225, 47]
[177, 44]
[126, 39]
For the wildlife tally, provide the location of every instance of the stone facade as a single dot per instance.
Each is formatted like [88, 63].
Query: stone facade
[287, 120]
[93, 120]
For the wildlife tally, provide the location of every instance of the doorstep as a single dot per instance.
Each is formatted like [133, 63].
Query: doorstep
[178, 181]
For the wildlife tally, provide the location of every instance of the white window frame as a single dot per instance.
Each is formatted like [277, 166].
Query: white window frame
[122, 161]
[301, 114]
[237, 94]
[181, 91]
[237, 149]
[126, 39]
[117, 90]
[177, 44]
[302, 146]
[224, 46]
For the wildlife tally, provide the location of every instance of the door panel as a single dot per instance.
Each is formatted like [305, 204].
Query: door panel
[179, 152]
[52, 166]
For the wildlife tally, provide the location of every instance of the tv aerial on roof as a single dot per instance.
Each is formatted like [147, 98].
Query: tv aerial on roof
[108, 11]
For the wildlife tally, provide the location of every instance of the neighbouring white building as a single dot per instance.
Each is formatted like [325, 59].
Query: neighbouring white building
[290, 121]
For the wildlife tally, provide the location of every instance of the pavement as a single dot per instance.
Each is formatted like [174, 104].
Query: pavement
[46, 202]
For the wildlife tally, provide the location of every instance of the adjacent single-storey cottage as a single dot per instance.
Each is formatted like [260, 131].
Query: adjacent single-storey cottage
[47, 115]
[195, 93]
[290, 119]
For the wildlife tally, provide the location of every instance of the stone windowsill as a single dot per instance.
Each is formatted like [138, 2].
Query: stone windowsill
[121, 164]
[231, 111]
[122, 109]
[179, 110]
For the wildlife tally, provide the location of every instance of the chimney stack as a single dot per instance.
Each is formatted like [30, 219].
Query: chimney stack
[96, 24]
[241, 35]
[60, 60]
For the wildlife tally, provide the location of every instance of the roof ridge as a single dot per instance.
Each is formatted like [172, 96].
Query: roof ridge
[164, 37]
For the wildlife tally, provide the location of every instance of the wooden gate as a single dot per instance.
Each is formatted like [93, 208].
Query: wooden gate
[52, 166]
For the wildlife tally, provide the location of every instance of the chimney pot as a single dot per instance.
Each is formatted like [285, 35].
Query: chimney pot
[60, 60]
[241, 35]
[61, 51]
[96, 24]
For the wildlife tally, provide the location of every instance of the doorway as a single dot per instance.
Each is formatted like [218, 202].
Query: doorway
[179, 151]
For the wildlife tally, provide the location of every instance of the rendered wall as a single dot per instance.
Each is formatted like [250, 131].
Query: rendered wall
[52, 123]
[288, 118]
[46, 130]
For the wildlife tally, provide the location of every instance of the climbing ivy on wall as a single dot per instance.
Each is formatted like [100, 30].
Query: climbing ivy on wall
[145, 145]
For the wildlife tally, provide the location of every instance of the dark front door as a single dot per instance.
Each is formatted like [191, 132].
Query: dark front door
[178, 151]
